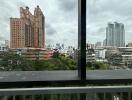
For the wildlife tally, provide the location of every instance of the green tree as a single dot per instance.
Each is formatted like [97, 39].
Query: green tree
[10, 62]
[96, 66]
[115, 58]
[56, 54]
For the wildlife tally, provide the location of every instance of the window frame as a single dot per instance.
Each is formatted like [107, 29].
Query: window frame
[81, 72]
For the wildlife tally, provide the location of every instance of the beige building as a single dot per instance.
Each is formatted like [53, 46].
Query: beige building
[33, 53]
[28, 30]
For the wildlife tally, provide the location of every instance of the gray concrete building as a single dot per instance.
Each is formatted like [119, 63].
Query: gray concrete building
[115, 34]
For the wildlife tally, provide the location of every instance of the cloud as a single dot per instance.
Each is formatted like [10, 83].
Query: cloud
[7, 10]
[67, 5]
[101, 30]
[50, 30]
[61, 17]
[100, 12]
[2, 38]
[49, 40]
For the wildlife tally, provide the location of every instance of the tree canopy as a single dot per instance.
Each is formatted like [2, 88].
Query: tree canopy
[12, 62]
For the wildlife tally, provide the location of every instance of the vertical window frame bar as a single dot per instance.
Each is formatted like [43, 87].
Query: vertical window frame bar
[82, 39]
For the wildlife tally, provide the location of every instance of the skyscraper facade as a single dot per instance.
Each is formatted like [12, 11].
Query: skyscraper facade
[28, 30]
[115, 35]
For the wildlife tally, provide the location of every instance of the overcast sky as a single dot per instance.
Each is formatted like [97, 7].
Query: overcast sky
[62, 22]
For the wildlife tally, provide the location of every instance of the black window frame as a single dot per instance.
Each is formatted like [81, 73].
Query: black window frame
[82, 75]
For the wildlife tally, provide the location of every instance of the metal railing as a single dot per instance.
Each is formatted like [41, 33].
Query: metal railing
[68, 93]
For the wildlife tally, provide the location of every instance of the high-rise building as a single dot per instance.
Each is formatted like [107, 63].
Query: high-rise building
[98, 44]
[115, 35]
[7, 43]
[110, 35]
[28, 31]
[104, 42]
[119, 35]
[90, 46]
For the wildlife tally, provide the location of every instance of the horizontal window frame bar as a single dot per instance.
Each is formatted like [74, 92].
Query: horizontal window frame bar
[30, 84]
[65, 90]
[62, 77]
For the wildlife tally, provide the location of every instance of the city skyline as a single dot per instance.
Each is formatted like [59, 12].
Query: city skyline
[61, 18]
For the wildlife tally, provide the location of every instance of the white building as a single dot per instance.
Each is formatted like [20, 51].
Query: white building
[90, 55]
[3, 47]
[100, 53]
[126, 55]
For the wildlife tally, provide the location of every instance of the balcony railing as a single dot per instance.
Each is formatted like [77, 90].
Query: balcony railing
[68, 93]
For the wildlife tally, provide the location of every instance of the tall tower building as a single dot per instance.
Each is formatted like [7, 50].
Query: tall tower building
[28, 30]
[110, 34]
[119, 35]
[115, 35]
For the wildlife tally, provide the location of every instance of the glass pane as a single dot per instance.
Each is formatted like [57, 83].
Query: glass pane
[109, 45]
[38, 35]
